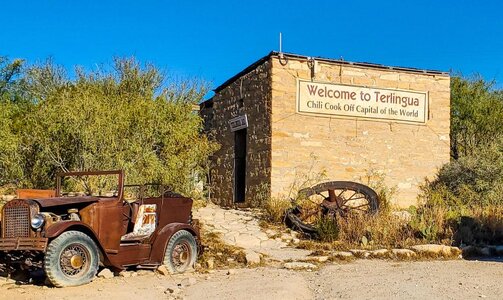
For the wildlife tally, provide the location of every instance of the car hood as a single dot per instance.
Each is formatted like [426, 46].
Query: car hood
[48, 202]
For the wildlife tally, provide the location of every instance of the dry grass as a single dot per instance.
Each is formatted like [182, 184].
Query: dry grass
[222, 255]
[479, 226]
[439, 225]
[275, 208]
[382, 230]
[199, 203]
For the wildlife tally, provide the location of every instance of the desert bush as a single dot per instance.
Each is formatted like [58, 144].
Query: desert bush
[12, 107]
[374, 231]
[469, 181]
[275, 208]
[480, 225]
[124, 117]
[476, 110]
[327, 229]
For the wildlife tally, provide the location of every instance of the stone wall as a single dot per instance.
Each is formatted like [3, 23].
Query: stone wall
[248, 94]
[350, 148]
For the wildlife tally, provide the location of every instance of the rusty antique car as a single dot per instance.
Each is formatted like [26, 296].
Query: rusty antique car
[72, 234]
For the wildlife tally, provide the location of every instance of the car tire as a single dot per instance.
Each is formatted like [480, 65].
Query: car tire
[181, 252]
[71, 259]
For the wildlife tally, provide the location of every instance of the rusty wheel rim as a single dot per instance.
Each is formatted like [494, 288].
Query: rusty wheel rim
[181, 256]
[74, 260]
[333, 201]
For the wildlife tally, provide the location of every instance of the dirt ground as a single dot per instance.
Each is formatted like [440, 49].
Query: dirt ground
[361, 279]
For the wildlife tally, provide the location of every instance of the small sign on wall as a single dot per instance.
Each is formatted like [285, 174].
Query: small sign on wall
[238, 123]
[328, 99]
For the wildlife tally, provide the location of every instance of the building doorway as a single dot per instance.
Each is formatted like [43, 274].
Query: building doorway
[240, 137]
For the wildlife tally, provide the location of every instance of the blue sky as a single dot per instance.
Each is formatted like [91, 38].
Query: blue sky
[214, 40]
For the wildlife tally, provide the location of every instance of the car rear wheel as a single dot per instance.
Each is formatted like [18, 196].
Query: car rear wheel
[181, 252]
[71, 259]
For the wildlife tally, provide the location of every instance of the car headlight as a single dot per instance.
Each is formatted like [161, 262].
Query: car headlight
[37, 221]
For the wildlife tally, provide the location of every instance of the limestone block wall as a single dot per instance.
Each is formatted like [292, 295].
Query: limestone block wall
[248, 94]
[347, 149]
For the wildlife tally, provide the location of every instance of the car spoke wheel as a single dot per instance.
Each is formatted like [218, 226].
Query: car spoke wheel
[180, 256]
[74, 260]
[181, 252]
[71, 259]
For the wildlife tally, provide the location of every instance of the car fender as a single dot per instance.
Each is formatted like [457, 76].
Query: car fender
[161, 240]
[58, 228]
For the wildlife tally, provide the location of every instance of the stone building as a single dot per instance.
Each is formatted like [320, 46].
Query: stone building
[287, 117]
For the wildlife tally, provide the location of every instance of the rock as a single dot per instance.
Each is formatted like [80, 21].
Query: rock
[295, 241]
[143, 272]
[360, 253]
[210, 263]
[163, 270]
[106, 273]
[436, 250]
[403, 253]
[270, 232]
[342, 254]
[320, 259]
[125, 274]
[6, 281]
[134, 274]
[380, 253]
[188, 281]
[296, 265]
[286, 237]
[252, 258]
[402, 215]
[172, 291]
[231, 272]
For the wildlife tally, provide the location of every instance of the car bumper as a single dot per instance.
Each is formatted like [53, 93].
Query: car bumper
[9, 244]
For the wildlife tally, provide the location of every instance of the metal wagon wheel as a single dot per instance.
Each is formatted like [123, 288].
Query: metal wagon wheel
[330, 199]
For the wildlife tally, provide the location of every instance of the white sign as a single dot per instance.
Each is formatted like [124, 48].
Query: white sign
[238, 122]
[327, 99]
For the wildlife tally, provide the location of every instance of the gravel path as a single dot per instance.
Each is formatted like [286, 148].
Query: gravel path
[361, 279]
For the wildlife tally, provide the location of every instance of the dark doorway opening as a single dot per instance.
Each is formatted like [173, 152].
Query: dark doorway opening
[240, 138]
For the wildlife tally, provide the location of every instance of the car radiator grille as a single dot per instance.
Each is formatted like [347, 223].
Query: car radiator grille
[16, 221]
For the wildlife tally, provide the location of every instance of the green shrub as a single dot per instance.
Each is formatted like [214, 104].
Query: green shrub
[126, 117]
[469, 181]
[327, 229]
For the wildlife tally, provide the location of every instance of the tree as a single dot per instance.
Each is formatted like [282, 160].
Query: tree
[125, 117]
[475, 174]
[476, 114]
[10, 108]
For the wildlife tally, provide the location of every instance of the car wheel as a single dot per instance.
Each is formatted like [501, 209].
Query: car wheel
[71, 259]
[181, 252]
